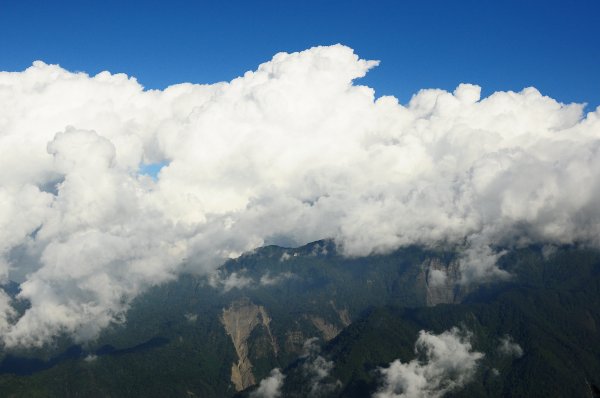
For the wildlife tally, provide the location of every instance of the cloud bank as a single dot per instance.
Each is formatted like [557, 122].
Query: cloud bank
[447, 363]
[294, 151]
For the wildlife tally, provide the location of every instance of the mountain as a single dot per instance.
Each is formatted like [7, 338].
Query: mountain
[284, 308]
[556, 327]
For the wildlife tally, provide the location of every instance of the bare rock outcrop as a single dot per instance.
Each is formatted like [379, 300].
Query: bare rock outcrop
[442, 282]
[328, 330]
[343, 314]
[239, 320]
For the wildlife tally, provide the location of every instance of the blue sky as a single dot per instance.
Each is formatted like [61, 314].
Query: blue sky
[500, 45]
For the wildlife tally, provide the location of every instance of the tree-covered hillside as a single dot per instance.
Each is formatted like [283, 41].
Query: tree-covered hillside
[214, 336]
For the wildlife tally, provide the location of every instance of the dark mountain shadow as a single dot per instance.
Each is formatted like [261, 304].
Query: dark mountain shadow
[27, 366]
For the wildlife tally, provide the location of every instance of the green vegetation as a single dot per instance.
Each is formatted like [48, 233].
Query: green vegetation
[174, 344]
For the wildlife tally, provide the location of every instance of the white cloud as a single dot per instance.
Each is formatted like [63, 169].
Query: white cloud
[238, 280]
[191, 317]
[292, 151]
[271, 386]
[446, 363]
[437, 277]
[317, 369]
[231, 281]
[284, 257]
[268, 280]
[509, 348]
[7, 313]
[90, 358]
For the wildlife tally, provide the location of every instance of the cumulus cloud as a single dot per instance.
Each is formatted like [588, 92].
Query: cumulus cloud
[446, 363]
[270, 387]
[509, 348]
[293, 151]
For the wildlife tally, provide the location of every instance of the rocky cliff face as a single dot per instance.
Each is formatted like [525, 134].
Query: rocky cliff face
[442, 282]
[328, 330]
[342, 313]
[239, 320]
[331, 330]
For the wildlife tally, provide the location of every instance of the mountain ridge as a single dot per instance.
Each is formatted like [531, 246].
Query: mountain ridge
[314, 292]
